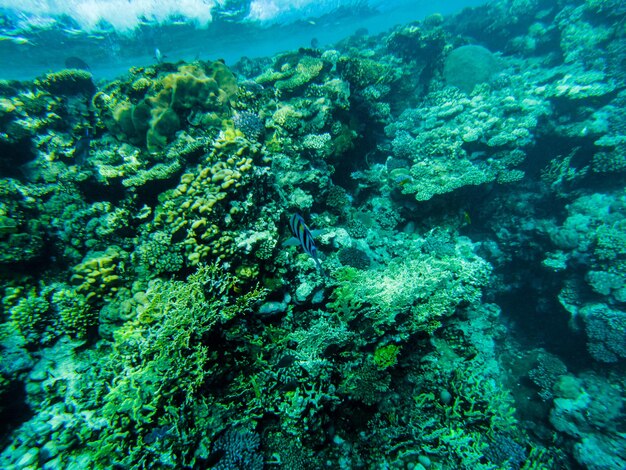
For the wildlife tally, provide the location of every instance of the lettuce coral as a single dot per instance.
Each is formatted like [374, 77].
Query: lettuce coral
[159, 115]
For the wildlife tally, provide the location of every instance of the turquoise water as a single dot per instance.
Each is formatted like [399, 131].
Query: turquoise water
[271, 234]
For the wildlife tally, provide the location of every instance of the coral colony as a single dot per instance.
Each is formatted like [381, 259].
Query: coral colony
[465, 179]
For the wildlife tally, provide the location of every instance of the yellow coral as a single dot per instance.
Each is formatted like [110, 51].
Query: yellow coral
[155, 119]
[194, 207]
[98, 275]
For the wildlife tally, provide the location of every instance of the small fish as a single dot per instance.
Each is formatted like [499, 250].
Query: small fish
[159, 56]
[401, 180]
[466, 216]
[82, 148]
[303, 236]
[19, 40]
[74, 62]
[73, 31]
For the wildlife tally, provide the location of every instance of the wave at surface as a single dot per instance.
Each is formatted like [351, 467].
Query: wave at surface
[119, 15]
[113, 35]
[126, 16]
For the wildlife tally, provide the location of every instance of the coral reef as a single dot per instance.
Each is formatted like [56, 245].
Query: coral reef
[463, 179]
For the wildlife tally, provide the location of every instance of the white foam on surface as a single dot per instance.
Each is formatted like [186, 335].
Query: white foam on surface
[36, 36]
[120, 15]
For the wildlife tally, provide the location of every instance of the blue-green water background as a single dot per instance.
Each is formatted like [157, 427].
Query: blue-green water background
[42, 42]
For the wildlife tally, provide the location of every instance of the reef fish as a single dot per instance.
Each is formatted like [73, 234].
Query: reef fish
[74, 62]
[303, 236]
[82, 148]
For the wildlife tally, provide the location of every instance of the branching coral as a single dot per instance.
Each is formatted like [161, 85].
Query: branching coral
[419, 289]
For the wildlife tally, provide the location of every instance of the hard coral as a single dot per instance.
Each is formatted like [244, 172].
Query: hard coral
[354, 257]
[307, 69]
[30, 312]
[67, 82]
[98, 276]
[605, 328]
[249, 124]
[155, 119]
[467, 66]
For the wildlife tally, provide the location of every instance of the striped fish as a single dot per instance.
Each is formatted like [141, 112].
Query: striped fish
[304, 237]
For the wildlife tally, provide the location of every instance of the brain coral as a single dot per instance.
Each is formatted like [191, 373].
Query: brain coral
[467, 66]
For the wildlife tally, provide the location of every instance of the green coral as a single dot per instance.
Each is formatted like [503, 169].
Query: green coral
[467, 66]
[99, 274]
[386, 356]
[155, 119]
[77, 316]
[410, 288]
[362, 72]
[67, 82]
[307, 69]
[30, 311]
[398, 364]
[170, 355]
